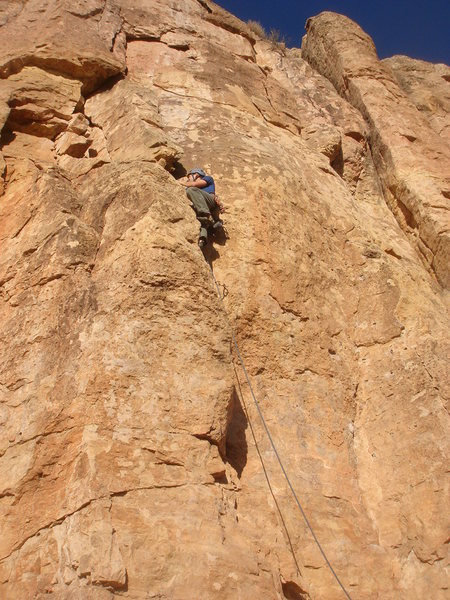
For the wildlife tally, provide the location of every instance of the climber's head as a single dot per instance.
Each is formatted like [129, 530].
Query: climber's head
[196, 171]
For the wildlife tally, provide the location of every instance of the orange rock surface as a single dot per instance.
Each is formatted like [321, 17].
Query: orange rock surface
[133, 462]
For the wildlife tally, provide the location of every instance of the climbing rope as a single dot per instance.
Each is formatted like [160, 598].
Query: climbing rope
[272, 443]
[266, 474]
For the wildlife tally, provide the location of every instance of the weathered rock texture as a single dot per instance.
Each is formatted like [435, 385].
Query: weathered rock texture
[130, 459]
[411, 158]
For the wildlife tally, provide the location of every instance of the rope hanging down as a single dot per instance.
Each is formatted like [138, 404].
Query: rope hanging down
[272, 443]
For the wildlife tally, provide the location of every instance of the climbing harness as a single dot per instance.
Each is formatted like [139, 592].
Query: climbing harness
[272, 443]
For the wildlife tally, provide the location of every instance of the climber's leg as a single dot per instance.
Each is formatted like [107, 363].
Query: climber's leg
[202, 202]
[203, 205]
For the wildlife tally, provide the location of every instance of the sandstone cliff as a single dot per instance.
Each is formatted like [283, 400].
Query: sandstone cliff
[130, 459]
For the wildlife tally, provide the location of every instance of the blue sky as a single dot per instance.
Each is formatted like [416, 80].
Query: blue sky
[419, 29]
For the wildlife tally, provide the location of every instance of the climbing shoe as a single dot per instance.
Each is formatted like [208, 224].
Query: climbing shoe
[218, 224]
[201, 242]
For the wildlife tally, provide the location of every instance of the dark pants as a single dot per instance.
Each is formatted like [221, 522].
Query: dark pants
[205, 208]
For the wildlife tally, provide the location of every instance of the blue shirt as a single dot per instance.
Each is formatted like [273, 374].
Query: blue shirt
[210, 187]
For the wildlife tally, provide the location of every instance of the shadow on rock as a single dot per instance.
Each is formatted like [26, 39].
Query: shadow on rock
[236, 444]
[209, 251]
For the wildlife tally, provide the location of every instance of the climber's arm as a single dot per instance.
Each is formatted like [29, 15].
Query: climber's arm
[199, 183]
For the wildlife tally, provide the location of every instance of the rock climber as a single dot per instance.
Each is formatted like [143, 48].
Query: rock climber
[201, 191]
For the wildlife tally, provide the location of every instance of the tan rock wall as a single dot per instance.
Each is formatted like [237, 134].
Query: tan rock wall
[130, 460]
[426, 84]
[81, 39]
[411, 159]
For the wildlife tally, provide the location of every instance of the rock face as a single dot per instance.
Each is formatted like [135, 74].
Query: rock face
[133, 462]
[411, 158]
[427, 86]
